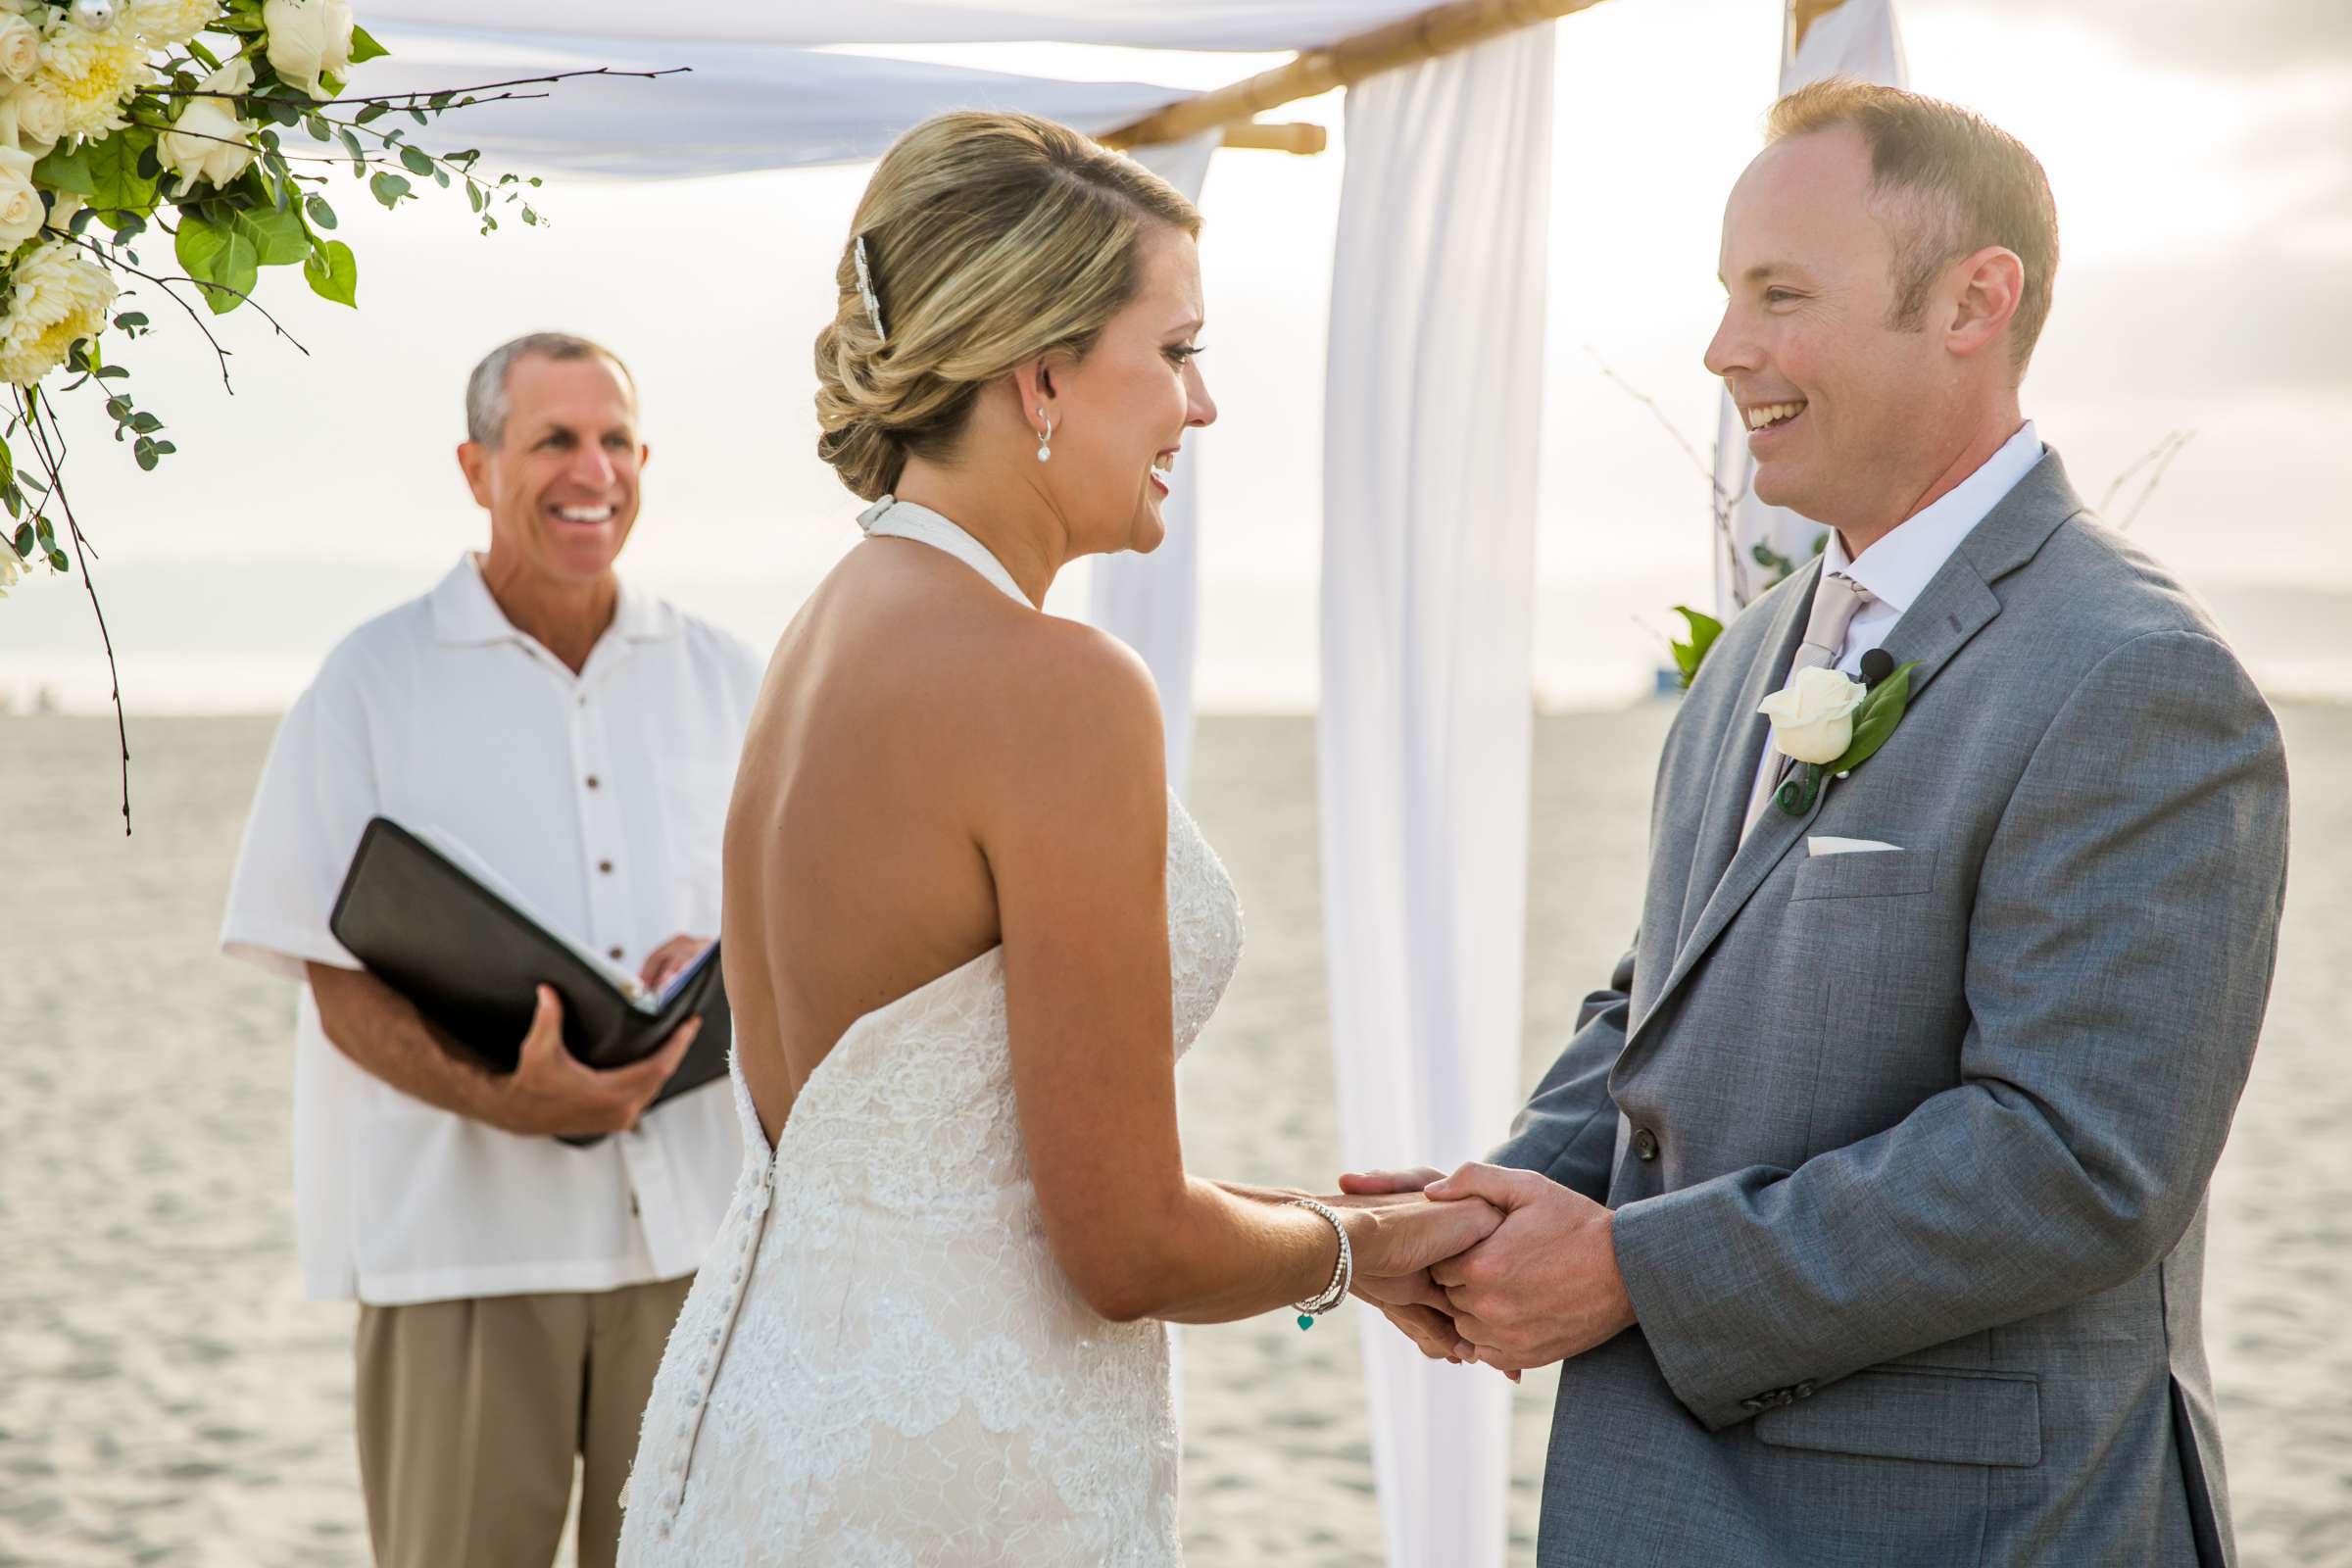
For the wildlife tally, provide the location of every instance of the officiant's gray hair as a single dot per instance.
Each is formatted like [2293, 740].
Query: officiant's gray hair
[991, 240]
[1954, 182]
[486, 403]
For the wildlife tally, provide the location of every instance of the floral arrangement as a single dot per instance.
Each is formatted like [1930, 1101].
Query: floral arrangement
[214, 126]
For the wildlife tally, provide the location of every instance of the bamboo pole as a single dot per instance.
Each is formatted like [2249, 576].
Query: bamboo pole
[1297, 137]
[1803, 13]
[1425, 36]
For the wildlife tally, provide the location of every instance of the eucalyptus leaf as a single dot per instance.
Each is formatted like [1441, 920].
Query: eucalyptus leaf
[217, 256]
[333, 273]
[67, 169]
[276, 236]
[122, 172]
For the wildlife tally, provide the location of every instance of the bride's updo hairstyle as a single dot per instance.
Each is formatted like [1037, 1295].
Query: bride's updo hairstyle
[991, 240]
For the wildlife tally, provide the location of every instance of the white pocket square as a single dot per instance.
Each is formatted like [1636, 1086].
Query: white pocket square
[1836, 846]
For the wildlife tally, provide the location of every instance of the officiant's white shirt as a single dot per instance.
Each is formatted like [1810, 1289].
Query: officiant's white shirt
[1899, 567]
[600, 799]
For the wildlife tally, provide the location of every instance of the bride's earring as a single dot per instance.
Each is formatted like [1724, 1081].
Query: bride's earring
[1045, 439]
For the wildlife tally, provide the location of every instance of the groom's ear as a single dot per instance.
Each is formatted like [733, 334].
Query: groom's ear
[1991, 283]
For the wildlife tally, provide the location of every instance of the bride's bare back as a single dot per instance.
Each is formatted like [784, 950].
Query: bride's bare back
[853, 869]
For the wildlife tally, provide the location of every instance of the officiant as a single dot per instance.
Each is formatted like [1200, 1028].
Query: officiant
[579, 736]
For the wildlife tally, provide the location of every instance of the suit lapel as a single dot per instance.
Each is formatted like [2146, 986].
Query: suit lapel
[1957, 603]
[1741, 749]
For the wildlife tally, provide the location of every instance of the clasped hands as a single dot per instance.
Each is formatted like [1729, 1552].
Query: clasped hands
[1537, 1286]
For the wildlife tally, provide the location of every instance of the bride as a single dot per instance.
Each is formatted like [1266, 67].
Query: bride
[968, 931]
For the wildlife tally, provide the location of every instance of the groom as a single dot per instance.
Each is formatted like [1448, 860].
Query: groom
[1866, 1210]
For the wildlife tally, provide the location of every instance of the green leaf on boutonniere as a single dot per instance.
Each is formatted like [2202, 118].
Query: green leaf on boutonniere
[1875, 721]
[1704, 629]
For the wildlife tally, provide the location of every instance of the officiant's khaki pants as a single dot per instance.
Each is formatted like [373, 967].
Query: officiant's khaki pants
[471, 1415]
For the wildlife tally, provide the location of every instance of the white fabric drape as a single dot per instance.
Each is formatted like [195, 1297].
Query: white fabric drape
[1859, 38]
[1138, 24]
[1431, 406]
[1150, 603]
[745, 107]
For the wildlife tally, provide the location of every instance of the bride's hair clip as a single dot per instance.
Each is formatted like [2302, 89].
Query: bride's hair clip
[865, 290]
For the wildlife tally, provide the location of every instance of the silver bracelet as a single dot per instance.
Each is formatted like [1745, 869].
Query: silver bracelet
[1343, 1273]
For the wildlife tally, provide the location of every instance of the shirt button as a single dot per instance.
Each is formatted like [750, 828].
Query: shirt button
[1646, 1144]
[605, 866]
[613, 954]
[592, 781]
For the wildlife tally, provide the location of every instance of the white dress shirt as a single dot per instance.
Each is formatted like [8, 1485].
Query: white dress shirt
[1898, 567]
[601, 800]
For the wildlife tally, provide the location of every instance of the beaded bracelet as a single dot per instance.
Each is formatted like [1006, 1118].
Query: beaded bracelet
[1343, 1273]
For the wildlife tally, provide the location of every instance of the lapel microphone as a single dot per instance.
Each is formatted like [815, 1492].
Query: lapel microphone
[1877, 665]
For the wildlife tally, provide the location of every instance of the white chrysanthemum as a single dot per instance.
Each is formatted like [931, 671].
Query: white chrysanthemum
[91, 73]
[169, 24]
[56, 298]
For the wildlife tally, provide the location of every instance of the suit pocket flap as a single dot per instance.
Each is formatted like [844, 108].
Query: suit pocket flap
[1880, 876]
[1950, 1416]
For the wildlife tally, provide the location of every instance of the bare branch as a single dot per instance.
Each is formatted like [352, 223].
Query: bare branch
[50, 448]
[2159, 457]
[400, 100]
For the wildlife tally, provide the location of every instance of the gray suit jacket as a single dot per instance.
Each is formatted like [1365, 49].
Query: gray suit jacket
[1909, 1151]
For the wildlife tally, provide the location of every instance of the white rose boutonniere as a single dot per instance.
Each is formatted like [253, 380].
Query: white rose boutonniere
[1813, 715]
[1831, 724]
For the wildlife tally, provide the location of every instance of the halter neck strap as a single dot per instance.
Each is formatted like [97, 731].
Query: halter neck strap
[890, 517]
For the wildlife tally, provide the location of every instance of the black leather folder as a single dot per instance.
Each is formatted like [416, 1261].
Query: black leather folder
[471, 962]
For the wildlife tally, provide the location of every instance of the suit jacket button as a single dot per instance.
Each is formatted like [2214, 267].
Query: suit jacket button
[1803, 1391]
[1646, 1144]
[1752, 1405]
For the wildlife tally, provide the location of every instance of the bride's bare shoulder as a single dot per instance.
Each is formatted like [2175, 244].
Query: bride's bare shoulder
[1078, 720]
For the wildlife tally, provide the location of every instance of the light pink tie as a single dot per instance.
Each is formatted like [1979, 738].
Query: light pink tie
[1836, 602]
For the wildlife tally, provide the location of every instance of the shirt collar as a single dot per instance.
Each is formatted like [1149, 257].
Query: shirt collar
[466, 613]
[1898, 567]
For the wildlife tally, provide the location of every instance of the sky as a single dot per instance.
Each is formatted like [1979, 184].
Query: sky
[2201, 158]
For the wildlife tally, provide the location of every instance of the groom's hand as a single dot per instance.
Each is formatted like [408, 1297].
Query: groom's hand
[1545, 1286]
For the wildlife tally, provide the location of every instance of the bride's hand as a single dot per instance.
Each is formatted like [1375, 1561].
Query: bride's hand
[1407, 1232]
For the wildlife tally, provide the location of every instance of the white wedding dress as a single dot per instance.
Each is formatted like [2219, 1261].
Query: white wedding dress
[881, 1363]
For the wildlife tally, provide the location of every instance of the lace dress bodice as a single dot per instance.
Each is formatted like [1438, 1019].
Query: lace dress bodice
[880, 1364]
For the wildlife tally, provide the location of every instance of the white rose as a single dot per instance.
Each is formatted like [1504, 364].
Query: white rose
[1813, 715]
[12, 568]
[309, 39]
[21, 210]
[208, 141]
[20, 48]
[40, 118]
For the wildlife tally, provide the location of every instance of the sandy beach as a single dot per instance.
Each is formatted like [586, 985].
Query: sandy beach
[167, 1397]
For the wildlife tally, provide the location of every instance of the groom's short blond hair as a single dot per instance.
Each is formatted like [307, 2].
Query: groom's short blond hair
[1954, 182]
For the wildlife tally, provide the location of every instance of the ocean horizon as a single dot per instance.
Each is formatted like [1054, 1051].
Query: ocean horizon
[213, 637]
